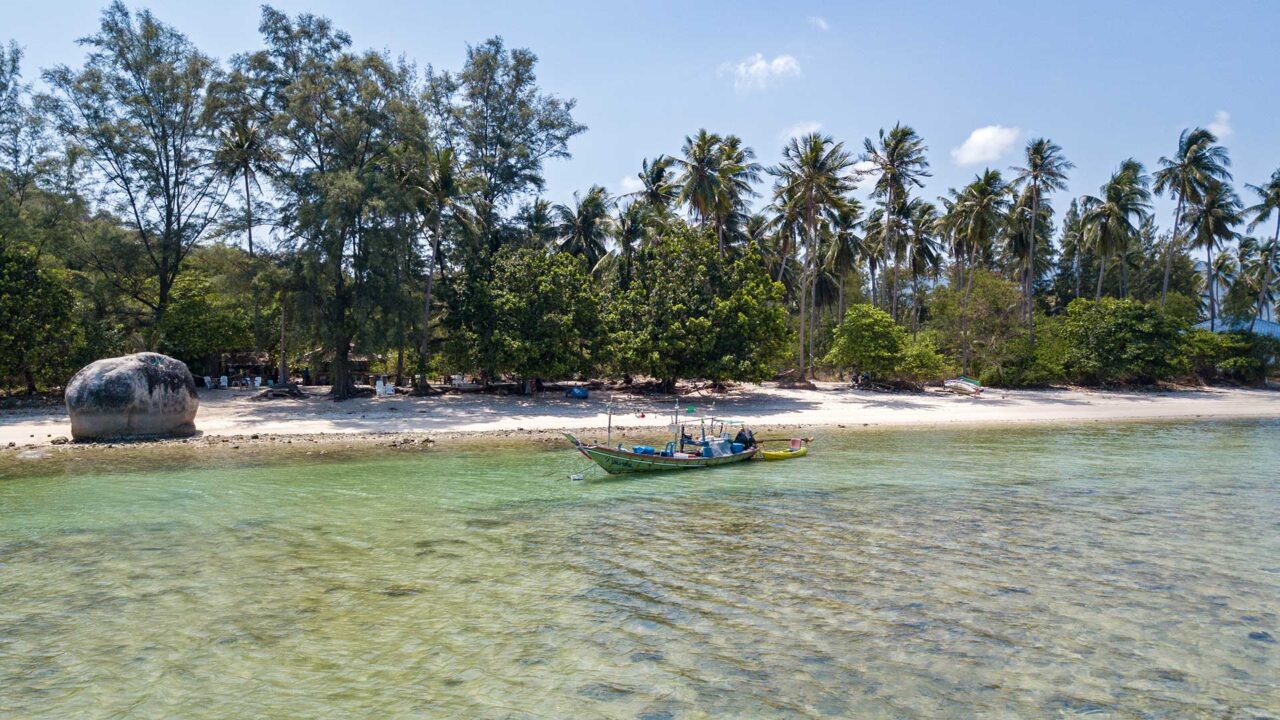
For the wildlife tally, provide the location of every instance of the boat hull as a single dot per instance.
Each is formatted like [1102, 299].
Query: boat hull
[784, 454]
[618, 462]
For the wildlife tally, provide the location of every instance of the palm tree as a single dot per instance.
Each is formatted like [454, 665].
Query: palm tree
[629, 233]
[738, 174]
[1046, 170]
[898, 158]
[972, 220]
[811, 183]
[536, 222]
[1199, 162]
[1211, 222]
[584, 227]
[1261, 269]
[700, 177]
[1225, 272]
[923, 254]
[1268, 202]
[1113, 218]
[659, 190]
[440, 186]
[845, 248]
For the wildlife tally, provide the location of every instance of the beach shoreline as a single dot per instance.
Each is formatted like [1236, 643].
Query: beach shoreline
[229, 416]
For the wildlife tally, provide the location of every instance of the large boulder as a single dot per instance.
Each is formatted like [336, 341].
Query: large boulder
[142, 395]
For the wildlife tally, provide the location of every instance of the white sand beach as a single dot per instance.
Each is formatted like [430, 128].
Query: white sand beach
[231, 412]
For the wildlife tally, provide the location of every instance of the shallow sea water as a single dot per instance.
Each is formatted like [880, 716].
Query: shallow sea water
[1128, 570]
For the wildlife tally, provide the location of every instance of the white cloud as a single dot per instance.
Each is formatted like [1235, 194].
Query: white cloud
[986, 144]
[757, 73]
[861, 174]
[819, 22]
[1221, 125]
[800, 129]
[630, 184]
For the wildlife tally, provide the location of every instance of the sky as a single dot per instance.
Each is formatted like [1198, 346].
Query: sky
[977, 79]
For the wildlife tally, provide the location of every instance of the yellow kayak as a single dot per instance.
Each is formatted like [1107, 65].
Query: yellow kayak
[784, 454]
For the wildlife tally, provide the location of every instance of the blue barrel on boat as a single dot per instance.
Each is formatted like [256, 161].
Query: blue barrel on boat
[738, 447]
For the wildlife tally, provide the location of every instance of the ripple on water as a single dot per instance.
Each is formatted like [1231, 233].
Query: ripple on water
[1126, 571]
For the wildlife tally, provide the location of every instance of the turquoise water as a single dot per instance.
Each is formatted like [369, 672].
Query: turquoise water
[1117, 570]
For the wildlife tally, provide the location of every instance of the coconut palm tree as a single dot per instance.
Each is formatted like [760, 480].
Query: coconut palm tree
[439, 183]
[1268, 202]
[629, 232]
[1262, 269]
[537, 223]
[700, 179]
[1114, 216]
[738, 174]
[1211, 222]
[810, 185]
[659, 189]
[973, 220]
[1045, 171]
[924, 256]
[584, 227]
[844, 250]
[898, 160]
[1198, 162]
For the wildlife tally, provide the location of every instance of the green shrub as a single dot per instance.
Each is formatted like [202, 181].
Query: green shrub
[1120, 341]
[1239, 356]
[1024, 365]
[920, 362]
[867, 341]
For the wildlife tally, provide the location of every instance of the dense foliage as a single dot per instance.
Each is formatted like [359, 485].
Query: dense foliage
[689, 312]
[331, 206]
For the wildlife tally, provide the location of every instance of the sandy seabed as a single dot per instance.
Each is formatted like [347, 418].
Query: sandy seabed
[232, 414]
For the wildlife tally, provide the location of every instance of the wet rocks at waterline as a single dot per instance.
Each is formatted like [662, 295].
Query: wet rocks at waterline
[140, 395]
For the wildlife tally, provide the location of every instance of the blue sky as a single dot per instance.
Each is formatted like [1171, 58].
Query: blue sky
[1106, 80]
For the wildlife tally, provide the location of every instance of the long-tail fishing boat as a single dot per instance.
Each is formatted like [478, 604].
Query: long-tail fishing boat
[711, 447]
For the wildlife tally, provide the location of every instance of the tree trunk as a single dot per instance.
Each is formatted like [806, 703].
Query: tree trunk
[888, 239]
[1266, 275]
[915, 305]
[31, 380]
[966, 346]
[248, 209]
[813, 315]
[425, 343]
[1031, 263]
[1102, 271]
[804, 295]
[871, 268]
[284, 367]
[1213, 291]
[841, 300]
[1168, 251]
[1079, 273]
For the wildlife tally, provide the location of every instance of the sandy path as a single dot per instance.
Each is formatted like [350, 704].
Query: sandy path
[230, 412]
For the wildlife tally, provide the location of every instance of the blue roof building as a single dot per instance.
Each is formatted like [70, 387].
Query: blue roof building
[1260, 326]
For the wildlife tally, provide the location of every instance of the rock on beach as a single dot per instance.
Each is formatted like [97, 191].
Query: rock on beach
[140, 395]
